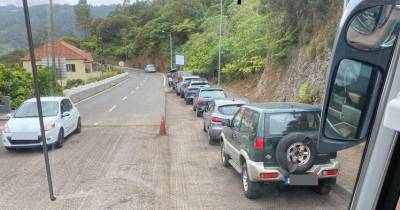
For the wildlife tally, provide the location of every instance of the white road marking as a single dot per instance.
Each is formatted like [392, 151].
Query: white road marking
[132, 92]
[112, 108]
[95, 123]
[101, 92]
[137, 88]
[124, 98]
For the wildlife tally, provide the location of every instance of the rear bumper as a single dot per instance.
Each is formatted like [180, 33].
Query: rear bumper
[215, 132]
[256, 168]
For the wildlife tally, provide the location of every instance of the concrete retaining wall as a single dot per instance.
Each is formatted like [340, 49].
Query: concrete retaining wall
[77, 94]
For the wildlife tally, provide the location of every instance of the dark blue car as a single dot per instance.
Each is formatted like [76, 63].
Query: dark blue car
[204, 97]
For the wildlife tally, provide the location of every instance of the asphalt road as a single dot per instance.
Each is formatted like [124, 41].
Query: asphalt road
[120, 162]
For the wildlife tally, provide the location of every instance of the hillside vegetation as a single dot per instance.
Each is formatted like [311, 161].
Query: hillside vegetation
[254, 33]
[13, 31]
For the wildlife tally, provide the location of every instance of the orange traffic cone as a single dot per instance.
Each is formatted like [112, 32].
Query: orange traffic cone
[162, 126]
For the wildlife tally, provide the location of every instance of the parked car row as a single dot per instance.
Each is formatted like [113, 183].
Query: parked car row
[266, 143]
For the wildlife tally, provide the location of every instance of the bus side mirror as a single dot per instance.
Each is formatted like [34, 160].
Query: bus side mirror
[361, 56]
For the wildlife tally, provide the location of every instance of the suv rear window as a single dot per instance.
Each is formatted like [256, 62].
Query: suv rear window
[284, 123]
[212, 94]
[229, 109]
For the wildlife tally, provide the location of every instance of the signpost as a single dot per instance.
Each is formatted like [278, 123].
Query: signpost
[179, 60]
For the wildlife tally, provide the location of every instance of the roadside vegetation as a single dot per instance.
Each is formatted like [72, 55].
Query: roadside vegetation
[257, 35]
[17, 83]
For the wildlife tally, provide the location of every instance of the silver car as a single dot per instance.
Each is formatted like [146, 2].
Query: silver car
[150, 68]
[183, 82]
[218, 110]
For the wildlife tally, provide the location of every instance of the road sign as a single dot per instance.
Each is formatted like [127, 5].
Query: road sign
[179, 60]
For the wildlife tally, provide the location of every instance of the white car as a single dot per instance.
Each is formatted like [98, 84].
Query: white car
[150, 68]
[61, 118]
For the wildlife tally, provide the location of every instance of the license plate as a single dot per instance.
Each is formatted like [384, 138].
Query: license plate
[301, 179]
[24, 136]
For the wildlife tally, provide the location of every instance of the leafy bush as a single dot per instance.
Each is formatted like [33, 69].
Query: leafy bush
[74, 83]
[306, 95]
[17, 83]
[47, 85]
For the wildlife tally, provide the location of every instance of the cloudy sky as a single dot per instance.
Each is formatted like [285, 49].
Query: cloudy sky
[72, 2]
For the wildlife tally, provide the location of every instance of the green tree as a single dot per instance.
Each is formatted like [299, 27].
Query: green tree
[83, 17]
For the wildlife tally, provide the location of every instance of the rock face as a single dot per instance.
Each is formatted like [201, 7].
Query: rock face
[278, 84]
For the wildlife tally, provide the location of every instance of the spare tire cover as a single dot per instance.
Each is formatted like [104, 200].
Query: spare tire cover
[296, 152]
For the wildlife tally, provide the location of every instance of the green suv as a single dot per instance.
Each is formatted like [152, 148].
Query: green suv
[276, 142]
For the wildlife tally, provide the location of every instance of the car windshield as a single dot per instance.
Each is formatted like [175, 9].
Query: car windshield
[212, 94]
[199, 83]
[285, 123]
[229, 109]
[29, 109]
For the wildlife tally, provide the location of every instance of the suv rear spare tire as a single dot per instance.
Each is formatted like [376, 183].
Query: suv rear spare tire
[295, 152]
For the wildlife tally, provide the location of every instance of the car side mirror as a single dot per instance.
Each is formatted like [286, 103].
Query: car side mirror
[9, 116]
[65, 114]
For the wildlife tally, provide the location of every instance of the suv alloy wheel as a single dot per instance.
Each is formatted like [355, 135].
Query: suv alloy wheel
[251, 189]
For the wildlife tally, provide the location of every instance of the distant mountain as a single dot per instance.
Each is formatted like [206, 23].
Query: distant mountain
[12, 23]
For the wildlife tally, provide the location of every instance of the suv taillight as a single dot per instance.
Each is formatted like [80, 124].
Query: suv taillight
[259, 144]
[216, 119]
[200, 101]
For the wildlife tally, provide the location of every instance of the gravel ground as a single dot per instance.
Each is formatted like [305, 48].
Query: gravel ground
[129, 166]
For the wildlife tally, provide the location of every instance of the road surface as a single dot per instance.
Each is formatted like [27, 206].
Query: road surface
[119, 161]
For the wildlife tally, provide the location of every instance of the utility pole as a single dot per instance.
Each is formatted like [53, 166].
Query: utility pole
[37, 94]
[52, 48]
[219, 51]
[170, 46]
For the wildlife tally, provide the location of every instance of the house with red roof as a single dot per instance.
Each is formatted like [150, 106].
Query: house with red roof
[79, 63]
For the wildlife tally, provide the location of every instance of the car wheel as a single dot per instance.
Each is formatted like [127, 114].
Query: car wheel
[187, 101]
[204, 126]
[199, 114]
[324, 186]
[60, 139]
[295, 152]
[210, 140]
[251, 189]
[194, 108]
[177, 93]
[224, 156]
[78, 126]
[10, 149]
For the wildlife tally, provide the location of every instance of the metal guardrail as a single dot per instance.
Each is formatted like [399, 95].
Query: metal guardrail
[5, 104]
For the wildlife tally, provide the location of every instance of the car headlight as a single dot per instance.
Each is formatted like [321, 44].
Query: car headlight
[6, 129]
[49, 126]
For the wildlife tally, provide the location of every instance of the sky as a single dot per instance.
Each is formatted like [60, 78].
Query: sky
[71, 2]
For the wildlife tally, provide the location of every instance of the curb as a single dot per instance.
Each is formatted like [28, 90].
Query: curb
[342, 192]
